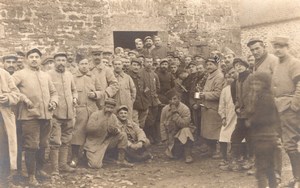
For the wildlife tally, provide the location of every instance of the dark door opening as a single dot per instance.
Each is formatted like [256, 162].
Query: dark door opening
[125, 39]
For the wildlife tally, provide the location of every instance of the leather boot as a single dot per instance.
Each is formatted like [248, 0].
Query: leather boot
[30, 162]
[54, 161]
[63, 158]
[40, 160]
[188, 152]
[295, 163]
[122, 161]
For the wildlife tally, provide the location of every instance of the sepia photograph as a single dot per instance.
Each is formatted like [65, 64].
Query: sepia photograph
[149, 93]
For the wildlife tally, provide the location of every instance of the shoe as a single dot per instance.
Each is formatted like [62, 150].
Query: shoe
[293, 183]
[125, 164]
[225, 167]
[66, 168]
[169, 154]
[32, 181]
[236, 167]
[42, 174]
[74, 163]
[251, 172]
[223, 163]
[247, 165]
[216, 156]
[189, 159]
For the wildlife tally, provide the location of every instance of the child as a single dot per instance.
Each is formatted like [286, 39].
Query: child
[263, 122]
[228, 115]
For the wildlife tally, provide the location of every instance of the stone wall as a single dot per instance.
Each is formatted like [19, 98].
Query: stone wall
[266, 32]
[52, 25]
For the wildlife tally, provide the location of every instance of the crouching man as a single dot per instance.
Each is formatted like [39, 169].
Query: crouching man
[138, 143]
[176, 127]
[103, 133]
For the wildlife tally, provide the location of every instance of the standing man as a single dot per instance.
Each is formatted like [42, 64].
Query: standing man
[9, 96]
[148, 46]
[286, 87]
[139, 46]
[21, 60]
[39, 100]
[71, 64]
[63, 118]
[127, 90]
[160, 51]
[152, 87]
[10, 63]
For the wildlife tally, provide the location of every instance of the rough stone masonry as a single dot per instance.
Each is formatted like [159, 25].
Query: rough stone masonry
[197, 26]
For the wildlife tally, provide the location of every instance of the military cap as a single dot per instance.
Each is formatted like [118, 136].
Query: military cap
[132, 52]
[214, 60]
[280, 40]
[34, 50]
[107, 53]
[227, 50]
[96, 51]
[60, 54]
[136, 60]
[173, 92]
[122, 107]
[140, 55]
[241, 61]
[10, 56]
[199, 55]
[47, 60]
[191, 63]
[147, 37]
[253, 40]
[163, 60]
[110, 101]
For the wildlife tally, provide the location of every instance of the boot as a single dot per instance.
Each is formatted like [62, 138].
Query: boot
[63, 158]
[54, 161]
[40, 159]
[121, 159]
[188, 152]
[30, 162]
[295, 162]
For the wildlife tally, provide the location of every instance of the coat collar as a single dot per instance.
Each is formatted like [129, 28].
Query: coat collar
[79, 74]
[121, 74]
[212, 75]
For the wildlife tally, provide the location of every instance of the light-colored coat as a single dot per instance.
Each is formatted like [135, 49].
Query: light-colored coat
[126, 93]
[9, 89]
[39, 89]
[66, 89]
[210, 119]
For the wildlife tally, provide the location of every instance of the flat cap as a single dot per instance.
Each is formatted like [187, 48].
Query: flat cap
[60, 54]
[191, 63]
[253, 40]
[147, 37]
[136, 60]
[34, 50]
[110, 101]
[96, 51]
[132, 52]
[10, 56]
[107, 53]
[281, 40]
[47, 60]
[122, 107]
[163, 60]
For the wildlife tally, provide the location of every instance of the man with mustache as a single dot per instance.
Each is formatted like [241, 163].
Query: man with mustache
[148, 45]
[20, 61]
[139, 46]
[10, 63]
[71, 64]
[39, 100]
[160, 51]
[62, 122]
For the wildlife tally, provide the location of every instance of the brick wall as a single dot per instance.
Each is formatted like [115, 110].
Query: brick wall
[193, 25]
[266, 32]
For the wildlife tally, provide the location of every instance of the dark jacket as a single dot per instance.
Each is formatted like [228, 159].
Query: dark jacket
[166, 81]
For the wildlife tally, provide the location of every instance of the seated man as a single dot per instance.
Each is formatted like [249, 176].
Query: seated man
[138, 143]
[176, 127]
[103, 133]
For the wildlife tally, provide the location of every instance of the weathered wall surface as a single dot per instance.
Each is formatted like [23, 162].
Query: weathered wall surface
[195, 25]
[268, 31]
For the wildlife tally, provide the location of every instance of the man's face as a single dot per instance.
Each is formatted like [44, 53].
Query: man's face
[34, 60]
[187, 60]
[200, 68]
[231, 76]
[251, 60]
[211, 67]
[109, 109]
[70, 57]
[10, 65]
[139, 45]
[60, 63]
[97, 58]
[229, 58]
[193, 68]
[148, 43]
[257, 50]
[135, 67]
[126, 63]
[175, 100]
[122, 115]
[164, 66]
[148, 62]
[118, 66]
[180, 54]
[83, 66]
[20, 62]
[157, 41]
[240, 67]
[173, 69]
[257, 85]
[132, 55]
[280, 50]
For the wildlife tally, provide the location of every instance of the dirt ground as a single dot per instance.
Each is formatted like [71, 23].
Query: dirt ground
[160, 172]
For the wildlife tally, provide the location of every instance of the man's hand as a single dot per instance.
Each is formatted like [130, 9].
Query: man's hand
[113, 130]
[92, 95]
[52, 106]
[28, 103]
[136, 146]
[3, 99]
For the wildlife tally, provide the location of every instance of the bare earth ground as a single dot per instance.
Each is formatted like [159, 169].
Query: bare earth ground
[161, 172]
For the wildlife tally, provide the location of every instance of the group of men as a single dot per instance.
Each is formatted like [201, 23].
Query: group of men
[127, 101]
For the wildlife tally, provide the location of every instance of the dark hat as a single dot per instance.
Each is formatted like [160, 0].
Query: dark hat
[253, 40]
[110, 101]
[215, 60]
[199, 55]
[136, 60]
[122, 107]
[132, 52]
[10, 56]
[241, 61]
[60, 54]
[34, 50]
[140, 55]
[96, 51]
[280, 40]
[191, 63]
[20, 54]
[147, 37]
[107, 53]
[79, 58]
[173, 92]
[163, 60]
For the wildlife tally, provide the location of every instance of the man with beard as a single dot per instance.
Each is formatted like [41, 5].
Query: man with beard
[71, 65]
[176, 127]
[10, 63]
[63, 117]
[21, 60]
[160, 51]
[139, 46]
[105, 76]
[127, 90]
[104, 133]
[148, 46]
[126, 65]
[89, 92]
[39, 100]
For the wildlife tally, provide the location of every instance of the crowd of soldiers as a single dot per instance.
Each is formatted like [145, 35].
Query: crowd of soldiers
[116, 105]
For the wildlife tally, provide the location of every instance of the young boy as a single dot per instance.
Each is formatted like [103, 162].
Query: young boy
[263, 123]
